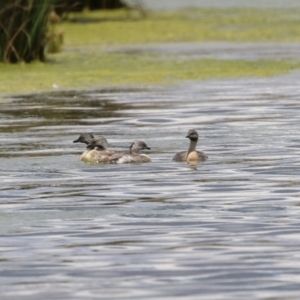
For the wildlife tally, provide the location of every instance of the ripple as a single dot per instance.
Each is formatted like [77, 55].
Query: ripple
[224, 229]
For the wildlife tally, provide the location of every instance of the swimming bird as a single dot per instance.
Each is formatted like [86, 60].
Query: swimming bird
[84, 138]
[98, 151]
[192, 155]
[99, 143]
[133, 156]
[94, 146]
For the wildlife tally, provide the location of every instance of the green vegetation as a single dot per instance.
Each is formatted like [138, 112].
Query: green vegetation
[98, 69]
[192, 25]
[23, 26]
[84, 62]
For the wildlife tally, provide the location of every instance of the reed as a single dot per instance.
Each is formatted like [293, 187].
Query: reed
[23, 29]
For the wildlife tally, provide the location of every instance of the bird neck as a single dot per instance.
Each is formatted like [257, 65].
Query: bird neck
[192, 146]
[133, 149]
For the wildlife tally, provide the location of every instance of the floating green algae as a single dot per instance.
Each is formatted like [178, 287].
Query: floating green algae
[85, 64]
[190, 25]
[73, 70]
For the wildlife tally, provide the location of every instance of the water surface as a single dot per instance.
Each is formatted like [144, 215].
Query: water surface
[226, 229]
[179, 4]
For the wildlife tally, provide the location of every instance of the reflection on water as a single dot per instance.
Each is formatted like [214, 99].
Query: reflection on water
[227, 228]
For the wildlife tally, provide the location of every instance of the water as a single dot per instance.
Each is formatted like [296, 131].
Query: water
[217, 50]
[226, 229]
[179, 4]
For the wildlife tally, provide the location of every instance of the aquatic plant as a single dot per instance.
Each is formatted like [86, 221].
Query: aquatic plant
[23, 29]
[55, 38]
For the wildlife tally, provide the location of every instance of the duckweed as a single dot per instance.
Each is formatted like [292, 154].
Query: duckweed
[85, 64]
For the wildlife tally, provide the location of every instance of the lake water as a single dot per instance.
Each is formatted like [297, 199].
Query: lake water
[179, 4]
[226, 229]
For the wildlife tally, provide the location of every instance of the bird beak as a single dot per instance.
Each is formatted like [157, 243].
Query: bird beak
[76, 141]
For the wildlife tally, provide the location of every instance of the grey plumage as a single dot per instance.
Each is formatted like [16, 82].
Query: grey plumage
[191, 154]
